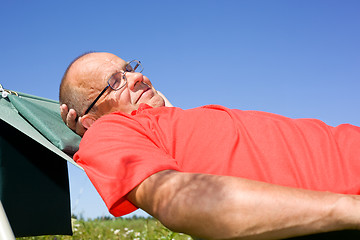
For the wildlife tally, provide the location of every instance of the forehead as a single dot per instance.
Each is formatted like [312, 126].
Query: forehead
[97, 66]
[103, 63]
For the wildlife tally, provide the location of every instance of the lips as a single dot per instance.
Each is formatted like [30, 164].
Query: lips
[138, 99]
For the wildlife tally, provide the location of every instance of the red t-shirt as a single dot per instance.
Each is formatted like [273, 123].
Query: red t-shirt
[120, 150]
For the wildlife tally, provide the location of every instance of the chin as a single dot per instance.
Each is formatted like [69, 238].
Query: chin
[157, 101]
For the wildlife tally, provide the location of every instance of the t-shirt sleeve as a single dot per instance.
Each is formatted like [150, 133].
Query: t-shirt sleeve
[118, 153]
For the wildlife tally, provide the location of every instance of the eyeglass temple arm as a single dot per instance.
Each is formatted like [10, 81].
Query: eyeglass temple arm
[96, 99]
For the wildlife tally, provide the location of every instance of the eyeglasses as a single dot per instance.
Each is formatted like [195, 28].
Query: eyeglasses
[118, 80]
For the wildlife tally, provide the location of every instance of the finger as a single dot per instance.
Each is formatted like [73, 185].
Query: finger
[80, 130]
[71, 119]
[63, 112]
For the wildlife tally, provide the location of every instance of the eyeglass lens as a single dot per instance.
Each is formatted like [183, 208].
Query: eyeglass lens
[117, 81]
[134, 66]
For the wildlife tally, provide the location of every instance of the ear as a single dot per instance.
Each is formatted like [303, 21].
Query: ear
[87, 121]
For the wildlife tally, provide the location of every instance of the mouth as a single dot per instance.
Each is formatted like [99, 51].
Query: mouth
[143, 92]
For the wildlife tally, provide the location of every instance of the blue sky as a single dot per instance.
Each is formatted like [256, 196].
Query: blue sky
[298, 58]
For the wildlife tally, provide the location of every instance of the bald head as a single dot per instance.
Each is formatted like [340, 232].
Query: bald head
[84, 79]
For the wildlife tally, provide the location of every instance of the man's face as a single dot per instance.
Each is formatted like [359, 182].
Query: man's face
[92, 73]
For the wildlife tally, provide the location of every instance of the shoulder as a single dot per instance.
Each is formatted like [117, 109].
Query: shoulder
[109, 127]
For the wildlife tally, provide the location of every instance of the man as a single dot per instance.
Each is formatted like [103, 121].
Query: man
[210, 172]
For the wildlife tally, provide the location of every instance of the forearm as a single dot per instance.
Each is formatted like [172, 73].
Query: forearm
[221, 207]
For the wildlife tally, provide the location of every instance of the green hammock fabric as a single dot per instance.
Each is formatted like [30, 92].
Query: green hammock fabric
[43, 114]
[34, 184]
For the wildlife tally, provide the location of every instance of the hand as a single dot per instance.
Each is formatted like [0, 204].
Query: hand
[69, 118]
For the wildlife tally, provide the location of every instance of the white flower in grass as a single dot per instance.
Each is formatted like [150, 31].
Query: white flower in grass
[116, 231]
[130, 231]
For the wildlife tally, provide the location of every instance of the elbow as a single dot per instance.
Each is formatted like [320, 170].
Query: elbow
[162, 196]
[169, 205]
[170, 218]
[183, 202]
[175, 217]
[189, 205]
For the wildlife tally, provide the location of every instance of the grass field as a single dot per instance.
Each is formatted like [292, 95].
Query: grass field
[119, 228]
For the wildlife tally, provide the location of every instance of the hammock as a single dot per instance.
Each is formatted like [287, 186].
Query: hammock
[34, 186]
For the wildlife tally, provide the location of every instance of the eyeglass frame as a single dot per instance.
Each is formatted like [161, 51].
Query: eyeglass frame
[108, 83]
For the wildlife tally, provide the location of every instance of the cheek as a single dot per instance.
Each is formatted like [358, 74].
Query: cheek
[115, 100]
[122, 96]
[121, 101]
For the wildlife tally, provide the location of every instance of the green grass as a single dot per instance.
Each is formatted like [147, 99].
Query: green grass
[119, 228]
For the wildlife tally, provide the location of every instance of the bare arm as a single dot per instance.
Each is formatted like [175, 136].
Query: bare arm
[221, 207]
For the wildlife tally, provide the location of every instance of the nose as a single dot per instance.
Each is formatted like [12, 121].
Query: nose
[133, 78]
